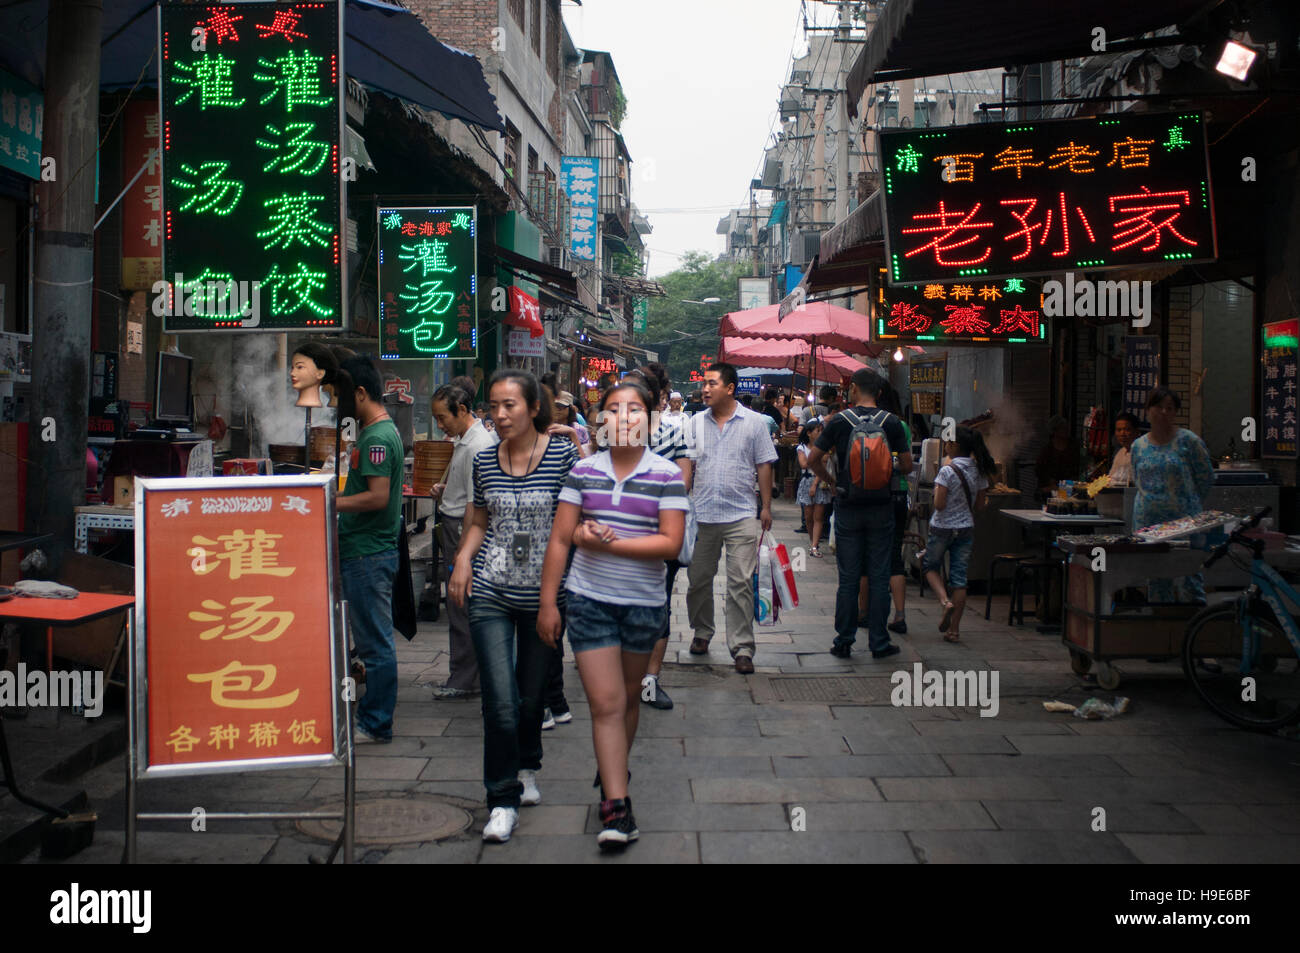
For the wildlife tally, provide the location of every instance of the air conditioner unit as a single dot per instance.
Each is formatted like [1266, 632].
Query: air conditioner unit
[771, 173]
[558, 257]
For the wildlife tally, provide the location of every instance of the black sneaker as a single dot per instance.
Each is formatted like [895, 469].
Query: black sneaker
[899, 626]
[886, 652]
[653, 694]
[618, 827]
[841, 651]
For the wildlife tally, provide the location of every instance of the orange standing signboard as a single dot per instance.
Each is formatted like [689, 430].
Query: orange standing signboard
[238, 630]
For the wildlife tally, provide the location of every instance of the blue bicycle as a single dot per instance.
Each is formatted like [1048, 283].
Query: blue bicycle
[1243, 657]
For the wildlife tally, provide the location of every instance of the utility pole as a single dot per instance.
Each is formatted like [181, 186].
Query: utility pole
[842, 122]
[64, 271]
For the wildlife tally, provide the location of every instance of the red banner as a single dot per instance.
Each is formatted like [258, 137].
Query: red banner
[142, 205]
[238, 623]
[525, 312]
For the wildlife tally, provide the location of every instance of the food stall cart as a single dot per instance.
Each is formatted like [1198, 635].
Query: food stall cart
[1106, 620]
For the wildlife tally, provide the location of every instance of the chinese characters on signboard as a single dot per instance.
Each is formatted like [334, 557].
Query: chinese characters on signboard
[428, 282]
[1141, 373]
[22, 117]
[580, 179]
[142, 204]
[749, 385]
[238, 623]
[1006, 311]
[640, 311]
[999, 201]
[927, 379]
[252, 108]
[1278, 385]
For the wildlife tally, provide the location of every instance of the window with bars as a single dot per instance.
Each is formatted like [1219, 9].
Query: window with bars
[513, 142]
[552, 191]
[517, 11]
[535, 30]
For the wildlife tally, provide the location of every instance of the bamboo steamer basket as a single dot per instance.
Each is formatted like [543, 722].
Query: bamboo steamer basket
[432, 457]
[322, 444]
[285, 452]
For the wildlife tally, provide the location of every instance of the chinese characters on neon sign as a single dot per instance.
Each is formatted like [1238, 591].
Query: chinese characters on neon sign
[250, 130]
[428, 284]
[994, 201]
[1003, 311]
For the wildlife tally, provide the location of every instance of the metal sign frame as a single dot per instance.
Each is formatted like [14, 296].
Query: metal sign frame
[341, 699]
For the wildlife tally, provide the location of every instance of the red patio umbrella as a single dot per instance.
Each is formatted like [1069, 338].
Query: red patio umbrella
[819, 323]
[831, 366]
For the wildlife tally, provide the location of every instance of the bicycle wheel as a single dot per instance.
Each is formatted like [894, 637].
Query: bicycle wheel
[1255, 687]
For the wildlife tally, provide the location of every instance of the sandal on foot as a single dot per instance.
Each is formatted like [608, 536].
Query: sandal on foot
[951, 636]
[948, 608]
[816, 552]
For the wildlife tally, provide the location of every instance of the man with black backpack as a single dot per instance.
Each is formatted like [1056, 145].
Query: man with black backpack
[871, 449]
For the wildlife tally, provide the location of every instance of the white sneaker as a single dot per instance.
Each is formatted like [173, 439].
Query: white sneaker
[548, 720]
[564, 719]
[532, 795]
[501, 824]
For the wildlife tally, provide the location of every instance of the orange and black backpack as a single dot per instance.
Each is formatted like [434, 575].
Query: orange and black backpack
[868, 467]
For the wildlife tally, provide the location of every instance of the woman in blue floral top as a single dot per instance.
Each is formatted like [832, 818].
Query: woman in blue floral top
[1173, 473]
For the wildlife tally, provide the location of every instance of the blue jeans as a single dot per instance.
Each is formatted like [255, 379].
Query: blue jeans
[864, 539]
[957, 543]
[513, 664]
[368, 587]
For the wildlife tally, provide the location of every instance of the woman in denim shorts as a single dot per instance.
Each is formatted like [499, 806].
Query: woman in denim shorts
[959, 490]
[625, 511]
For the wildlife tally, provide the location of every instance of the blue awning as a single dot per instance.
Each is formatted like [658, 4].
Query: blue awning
[778, 214]
[386, 48]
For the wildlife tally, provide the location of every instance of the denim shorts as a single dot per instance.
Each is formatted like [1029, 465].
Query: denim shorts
[597, 625]
[957, 543]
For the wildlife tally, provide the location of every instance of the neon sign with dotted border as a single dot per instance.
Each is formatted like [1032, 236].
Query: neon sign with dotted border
[997, 201]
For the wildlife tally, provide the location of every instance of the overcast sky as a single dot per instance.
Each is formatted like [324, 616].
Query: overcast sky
[702, 78]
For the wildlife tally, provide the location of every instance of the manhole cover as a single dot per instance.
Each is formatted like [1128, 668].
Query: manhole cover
[837, 690]
[393, 820]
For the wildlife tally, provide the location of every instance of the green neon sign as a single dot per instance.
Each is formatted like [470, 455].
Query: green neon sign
[428, 285]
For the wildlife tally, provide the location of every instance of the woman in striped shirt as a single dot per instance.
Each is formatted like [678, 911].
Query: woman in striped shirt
[499, 571]
[624, 509]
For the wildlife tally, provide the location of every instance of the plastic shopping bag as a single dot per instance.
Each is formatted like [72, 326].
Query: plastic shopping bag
[688, 538]
[787, 595]
[765, 611]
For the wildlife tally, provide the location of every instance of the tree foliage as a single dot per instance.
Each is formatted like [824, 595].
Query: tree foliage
[697, 278]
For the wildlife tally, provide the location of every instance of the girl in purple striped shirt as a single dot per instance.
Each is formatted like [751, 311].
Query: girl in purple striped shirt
[625, 510]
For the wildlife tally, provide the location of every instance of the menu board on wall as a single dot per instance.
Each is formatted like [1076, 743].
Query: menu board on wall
[1278, 390]
[1141, 373]
[927, 379]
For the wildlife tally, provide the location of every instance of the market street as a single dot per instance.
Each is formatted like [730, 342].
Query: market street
[716, 779]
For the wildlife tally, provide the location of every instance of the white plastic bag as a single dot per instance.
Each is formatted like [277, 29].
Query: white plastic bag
[688, 538]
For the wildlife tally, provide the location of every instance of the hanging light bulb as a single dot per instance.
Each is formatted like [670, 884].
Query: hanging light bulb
[898, 355]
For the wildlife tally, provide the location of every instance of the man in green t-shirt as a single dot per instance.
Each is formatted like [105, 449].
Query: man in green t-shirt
[370, 511]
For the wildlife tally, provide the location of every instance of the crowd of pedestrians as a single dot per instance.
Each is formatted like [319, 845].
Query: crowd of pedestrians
[557, 524]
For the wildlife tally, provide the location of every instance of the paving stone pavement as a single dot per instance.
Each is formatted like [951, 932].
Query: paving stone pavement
[733, 774]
